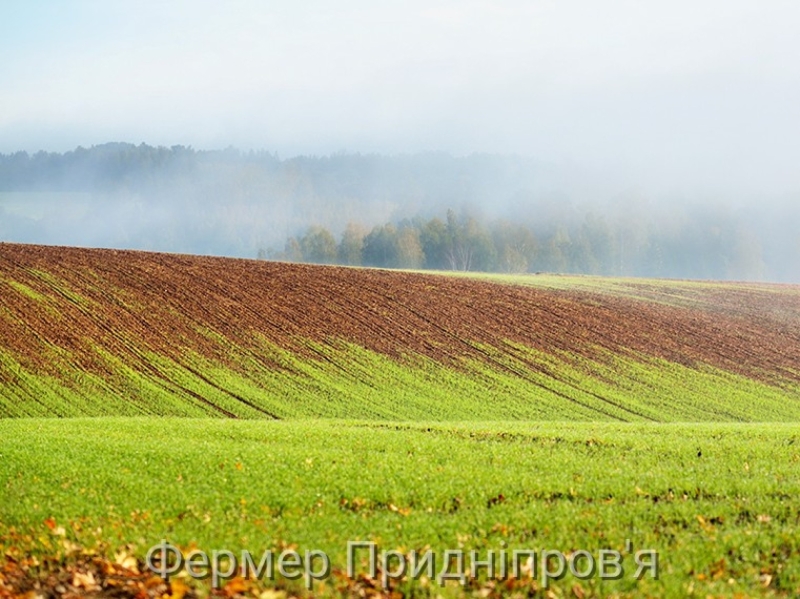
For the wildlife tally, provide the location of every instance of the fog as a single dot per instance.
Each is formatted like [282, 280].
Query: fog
[687, 106]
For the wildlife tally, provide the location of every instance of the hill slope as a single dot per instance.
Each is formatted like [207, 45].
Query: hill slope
[96, 332]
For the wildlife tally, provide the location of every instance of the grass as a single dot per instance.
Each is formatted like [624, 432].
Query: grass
[673, 292]
[26, 291]
[717, 501]
[340, 380]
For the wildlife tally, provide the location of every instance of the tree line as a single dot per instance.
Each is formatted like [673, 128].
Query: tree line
[719, 247]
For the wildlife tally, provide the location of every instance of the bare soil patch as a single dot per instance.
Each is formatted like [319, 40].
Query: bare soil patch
[129, 302]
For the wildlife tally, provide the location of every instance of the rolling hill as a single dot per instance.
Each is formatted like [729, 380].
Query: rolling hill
[87, 332]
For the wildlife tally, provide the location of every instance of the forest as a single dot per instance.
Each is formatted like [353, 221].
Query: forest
[480, 212]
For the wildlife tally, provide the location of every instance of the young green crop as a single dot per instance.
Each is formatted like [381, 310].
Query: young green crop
[346, 381]
[717, 501]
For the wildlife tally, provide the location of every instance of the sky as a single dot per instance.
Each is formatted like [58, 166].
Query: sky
[686, 95]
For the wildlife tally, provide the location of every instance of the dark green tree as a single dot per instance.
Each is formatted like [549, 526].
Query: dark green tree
[380, 247]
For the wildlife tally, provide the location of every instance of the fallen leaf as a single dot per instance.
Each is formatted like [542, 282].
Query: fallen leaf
[84, 581]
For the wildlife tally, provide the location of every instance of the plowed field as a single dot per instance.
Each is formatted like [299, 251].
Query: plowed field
[85, 331]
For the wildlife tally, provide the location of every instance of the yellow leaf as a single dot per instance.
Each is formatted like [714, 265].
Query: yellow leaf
[178, 588]
[84, 581]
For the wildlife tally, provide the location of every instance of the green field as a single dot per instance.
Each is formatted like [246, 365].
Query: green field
[717, 501]
[340, 380]
[249, 406]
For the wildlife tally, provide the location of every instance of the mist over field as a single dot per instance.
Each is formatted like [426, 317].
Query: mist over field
[560, 355]
[480, 213]
[622, 139]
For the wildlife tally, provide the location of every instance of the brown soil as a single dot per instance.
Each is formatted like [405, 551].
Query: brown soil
[130, 302]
